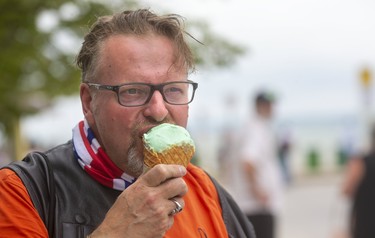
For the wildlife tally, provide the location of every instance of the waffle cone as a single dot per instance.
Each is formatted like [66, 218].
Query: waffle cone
[179, 154]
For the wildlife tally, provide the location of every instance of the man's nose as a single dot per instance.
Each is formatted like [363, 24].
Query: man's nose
[156, 107]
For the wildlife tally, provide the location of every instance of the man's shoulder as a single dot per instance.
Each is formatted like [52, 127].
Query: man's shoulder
[66, 147]
[8, 176]
[35, 157]
[36, 165]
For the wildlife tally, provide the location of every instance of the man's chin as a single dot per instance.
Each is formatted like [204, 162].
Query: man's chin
[135, 162]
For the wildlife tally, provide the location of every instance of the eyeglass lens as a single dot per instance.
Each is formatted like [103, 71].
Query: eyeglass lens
[139, 94]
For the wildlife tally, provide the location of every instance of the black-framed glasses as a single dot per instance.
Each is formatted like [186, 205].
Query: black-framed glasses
[139, 94]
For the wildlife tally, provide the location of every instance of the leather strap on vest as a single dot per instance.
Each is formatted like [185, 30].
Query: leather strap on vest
[46, 211]
[51, 188]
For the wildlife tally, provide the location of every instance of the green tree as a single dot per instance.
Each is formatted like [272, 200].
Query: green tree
[39, 41]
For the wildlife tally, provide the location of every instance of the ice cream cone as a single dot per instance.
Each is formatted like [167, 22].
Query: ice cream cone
[177, 154]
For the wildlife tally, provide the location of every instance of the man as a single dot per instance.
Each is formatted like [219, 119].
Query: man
[359, 188]
[257, 179]
[134, 66]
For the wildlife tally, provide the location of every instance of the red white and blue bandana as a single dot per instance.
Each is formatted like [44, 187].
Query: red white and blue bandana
[95, 161]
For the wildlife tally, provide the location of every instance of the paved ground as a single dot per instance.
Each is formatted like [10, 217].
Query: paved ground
[314, 208]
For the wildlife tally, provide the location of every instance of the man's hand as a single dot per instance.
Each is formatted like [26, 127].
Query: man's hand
[144, 209]
[260, 195]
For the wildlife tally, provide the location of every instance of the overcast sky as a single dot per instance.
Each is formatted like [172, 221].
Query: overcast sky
[309, 52]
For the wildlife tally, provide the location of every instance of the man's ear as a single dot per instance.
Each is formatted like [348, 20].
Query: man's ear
[86, 100]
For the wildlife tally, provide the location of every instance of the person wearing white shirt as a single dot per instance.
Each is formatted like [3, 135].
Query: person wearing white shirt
[257, 183]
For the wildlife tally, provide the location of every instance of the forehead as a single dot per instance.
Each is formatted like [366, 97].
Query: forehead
[141, 56]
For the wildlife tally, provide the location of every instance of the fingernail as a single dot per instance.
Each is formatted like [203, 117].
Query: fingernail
[182, 170]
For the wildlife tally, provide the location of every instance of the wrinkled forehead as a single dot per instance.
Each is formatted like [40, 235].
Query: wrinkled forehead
[139, 55]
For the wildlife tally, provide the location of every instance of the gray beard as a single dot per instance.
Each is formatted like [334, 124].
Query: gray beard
[135, 161]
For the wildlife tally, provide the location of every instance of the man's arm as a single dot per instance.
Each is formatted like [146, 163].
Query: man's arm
[255, 187]
[18, 216]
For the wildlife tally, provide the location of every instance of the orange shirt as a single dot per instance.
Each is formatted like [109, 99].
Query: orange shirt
[201, 198]
[19, 218]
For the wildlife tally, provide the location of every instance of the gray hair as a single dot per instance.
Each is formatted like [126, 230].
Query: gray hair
[139, 22]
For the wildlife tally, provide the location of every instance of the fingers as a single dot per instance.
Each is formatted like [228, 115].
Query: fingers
[161, 173]
[179, 205]
[170, 186]
[147, 207]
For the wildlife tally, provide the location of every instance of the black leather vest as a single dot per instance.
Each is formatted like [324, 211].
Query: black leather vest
[80, 203]
[72, 207]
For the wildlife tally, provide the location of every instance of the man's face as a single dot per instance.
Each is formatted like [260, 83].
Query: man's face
[119, 129]
[264, 109]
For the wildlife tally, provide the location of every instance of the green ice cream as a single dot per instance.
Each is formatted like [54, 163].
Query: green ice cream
[164, 136]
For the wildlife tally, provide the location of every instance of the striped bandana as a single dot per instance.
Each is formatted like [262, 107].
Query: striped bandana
[95, 161]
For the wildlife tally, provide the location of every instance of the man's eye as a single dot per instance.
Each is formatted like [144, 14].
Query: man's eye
[174, 90]
[132, 91]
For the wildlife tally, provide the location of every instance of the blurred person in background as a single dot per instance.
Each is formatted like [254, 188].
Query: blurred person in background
[135, 67]
[360, 187]
[227, 140]
[257, 181]
[284, 148]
